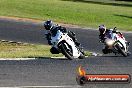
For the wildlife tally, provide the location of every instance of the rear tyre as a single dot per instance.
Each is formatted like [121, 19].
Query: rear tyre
[82, 56]
[121, 50]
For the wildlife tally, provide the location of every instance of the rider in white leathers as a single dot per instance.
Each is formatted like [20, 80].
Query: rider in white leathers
[51, 30]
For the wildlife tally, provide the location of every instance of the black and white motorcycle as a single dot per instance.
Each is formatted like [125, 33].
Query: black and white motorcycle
[66, 46]
[117, 45]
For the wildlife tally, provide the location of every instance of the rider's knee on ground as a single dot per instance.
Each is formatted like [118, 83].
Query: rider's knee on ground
[105, 51]
[53, 50]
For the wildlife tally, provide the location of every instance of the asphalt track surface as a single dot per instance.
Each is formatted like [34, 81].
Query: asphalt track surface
[44, 72]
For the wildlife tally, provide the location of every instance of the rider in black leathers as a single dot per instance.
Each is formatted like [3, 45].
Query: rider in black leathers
[51, 30]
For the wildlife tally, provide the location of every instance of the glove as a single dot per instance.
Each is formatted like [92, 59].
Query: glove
[102, 41]
[48, 36]
[63, 29]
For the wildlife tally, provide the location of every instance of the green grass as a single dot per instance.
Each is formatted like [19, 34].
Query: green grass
[15, 50]
[79, 12]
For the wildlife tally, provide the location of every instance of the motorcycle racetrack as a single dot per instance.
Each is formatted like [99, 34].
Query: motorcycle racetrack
[44, 72]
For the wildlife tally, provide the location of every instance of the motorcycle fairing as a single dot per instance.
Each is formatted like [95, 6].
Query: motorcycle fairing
[64, 37]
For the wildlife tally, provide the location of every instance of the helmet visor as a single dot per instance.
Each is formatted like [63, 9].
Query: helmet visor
[47, 27]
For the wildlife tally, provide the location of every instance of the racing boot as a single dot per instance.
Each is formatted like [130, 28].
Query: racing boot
[82, 50]
[77, 43]
[127, 44]
[73, 33]
[128, 53]
[105, 50]
[79, 46]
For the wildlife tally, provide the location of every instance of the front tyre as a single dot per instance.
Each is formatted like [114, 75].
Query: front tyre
[66, 52]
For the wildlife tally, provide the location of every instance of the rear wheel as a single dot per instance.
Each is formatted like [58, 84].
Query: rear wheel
[122, 51]
[82, 55]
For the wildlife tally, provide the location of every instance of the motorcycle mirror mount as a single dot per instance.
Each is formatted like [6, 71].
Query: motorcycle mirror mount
[115, 28]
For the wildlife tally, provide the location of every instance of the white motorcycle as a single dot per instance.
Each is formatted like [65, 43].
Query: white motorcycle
[116, 45]
[66, 46]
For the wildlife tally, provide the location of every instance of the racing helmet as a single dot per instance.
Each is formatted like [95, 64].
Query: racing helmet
[48, 24]
[102, 29]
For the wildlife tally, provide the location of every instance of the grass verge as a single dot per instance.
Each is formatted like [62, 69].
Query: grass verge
[15, 50]
[89, 13]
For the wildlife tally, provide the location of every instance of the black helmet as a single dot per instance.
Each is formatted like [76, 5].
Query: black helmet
[48, 24]
[102, 29]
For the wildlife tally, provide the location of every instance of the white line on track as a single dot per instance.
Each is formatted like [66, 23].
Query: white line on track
[51, 86]
[17, 58]
[65, 86]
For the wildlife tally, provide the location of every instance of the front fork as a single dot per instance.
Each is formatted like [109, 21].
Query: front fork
[111, 49]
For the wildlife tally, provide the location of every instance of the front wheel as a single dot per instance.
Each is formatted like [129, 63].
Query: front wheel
[66, 52]
[122, 51]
